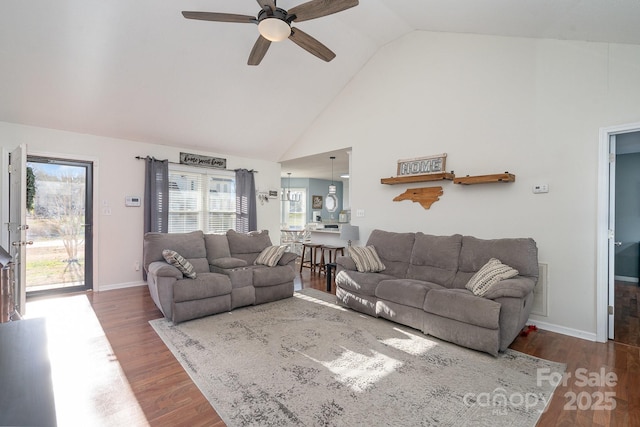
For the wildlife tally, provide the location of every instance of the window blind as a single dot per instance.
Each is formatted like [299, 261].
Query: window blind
[201, 200]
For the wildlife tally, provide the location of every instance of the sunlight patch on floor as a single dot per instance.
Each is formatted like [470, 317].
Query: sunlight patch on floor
[87, 378]
[411, 343]
[359, 371]
[321, 302]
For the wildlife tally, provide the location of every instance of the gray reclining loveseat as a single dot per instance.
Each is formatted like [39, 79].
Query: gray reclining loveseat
[226, 276]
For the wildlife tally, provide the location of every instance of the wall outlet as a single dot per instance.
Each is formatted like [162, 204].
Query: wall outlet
[540, 188]
[136, 266]
[106, 211]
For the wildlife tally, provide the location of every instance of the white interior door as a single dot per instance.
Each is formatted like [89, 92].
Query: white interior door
[18, 220]
[612, 234]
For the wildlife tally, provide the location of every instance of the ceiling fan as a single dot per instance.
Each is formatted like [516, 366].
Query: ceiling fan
[274, 25]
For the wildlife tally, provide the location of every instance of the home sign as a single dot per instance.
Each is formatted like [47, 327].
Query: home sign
[206, 161]
[422, 165]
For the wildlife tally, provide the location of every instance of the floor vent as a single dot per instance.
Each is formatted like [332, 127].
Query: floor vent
[540, 292]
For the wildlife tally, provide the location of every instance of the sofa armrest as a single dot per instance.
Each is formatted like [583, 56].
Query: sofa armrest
[164, 269]
[517, 287]
[345, 263]
[288, 258]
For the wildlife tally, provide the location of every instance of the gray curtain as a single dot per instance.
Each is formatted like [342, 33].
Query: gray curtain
[246, 218]
[156, 195]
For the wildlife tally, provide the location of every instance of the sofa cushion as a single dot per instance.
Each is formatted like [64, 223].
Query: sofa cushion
[270, 255]
[249, 243]
[463, 306]
[520, 254]
[366, 259]
[206, 285]
[491, 273]
[394, 250]
[435, 258]
[240, 277]
[189, 245]
[271, 276]
[175, 259]
[228, 262]
[405, 291]
[360, 283]
[287, 258]
[217, 246]
[201, 265]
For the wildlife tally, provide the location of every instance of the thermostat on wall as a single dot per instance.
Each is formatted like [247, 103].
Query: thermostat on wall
[132, 201]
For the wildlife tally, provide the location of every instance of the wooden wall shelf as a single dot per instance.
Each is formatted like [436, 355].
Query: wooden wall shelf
[483, 179]
[417, 178]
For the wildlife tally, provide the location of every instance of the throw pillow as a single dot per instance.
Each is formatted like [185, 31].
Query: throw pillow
[270, 256]
[366, 259]
[490, 274]
[175, 259]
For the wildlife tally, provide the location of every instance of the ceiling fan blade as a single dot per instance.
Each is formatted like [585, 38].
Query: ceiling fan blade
[220, 17]
[317, 8]
[259, 49]
[270, 3]
[311, 45]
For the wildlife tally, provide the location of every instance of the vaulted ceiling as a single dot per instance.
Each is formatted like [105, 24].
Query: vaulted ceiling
[138, 70]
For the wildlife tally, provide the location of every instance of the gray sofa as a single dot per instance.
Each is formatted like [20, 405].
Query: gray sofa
[423, 286]
[226, 277]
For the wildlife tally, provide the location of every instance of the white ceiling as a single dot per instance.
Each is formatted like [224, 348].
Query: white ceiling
[138, 70]
[319, 166]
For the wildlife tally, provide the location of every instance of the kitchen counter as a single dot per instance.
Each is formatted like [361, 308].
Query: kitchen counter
[327, 236]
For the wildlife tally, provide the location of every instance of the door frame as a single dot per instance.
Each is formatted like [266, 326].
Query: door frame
[94, 207]
[89, 280]
[604, 241]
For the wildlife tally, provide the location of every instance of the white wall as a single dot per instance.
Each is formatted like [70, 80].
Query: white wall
[494, 104]
[118, 237]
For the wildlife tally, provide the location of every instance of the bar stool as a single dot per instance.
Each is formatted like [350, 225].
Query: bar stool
[313, 260]
[332, 251]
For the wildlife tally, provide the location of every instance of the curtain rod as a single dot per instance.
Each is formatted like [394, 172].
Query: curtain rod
[195, 166]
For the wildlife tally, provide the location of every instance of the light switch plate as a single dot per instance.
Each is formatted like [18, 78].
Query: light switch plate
[540, 188]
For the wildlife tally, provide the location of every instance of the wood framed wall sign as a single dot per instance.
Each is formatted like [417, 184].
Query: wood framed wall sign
[422, 165]
[316, 202]
[203, 161]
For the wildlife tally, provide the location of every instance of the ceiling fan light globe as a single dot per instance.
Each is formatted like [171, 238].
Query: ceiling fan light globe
[274, 29]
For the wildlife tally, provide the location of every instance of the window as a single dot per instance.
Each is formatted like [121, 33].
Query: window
[201, 200]
[294, 213]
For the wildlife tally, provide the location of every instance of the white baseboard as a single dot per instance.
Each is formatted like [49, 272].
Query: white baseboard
[114, 286]
[591, 336]
[626, 279]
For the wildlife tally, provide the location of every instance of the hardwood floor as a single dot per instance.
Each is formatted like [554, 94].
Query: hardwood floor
[627, 313]
[163, 389]
[167, 396]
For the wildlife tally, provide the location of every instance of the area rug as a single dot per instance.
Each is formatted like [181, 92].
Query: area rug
[306, 361]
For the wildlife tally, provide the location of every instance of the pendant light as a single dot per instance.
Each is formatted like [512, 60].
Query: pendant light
[331, 201]
[291, 197]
